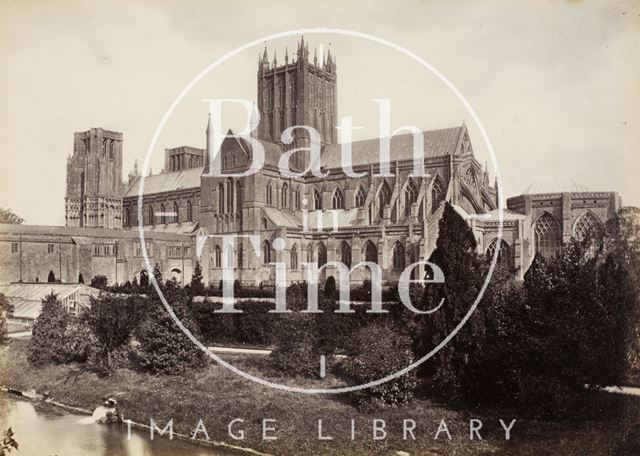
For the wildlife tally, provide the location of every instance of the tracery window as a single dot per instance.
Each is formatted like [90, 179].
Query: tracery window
[317, 199]
[410, 196]
[504, 255]
[384, 196]
[345, 254]
[548, 236]
[398, 257]
[269, 193]
[370, 252]
[587, 226]
[294, 257]
[285, 192]
[437, 194]
[338, 199]
[189, 211]
[220, 199]
[361, 196]
[162, 212]
[176, 217]
[217, 257]
[266, 252]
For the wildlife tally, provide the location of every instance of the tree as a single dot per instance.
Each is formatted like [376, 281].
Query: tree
[157, 274]
[48, 341]
[8, 443]
[165, 349]
[197, 285]
[456, 256]
[5, 308]
[100, 282]
[112, 320]
[7, 216]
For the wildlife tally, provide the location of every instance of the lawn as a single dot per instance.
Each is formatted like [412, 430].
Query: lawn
[218, 396]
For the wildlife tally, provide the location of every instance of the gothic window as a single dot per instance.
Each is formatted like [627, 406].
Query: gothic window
[317, 199]
[345, 254]
[338, 199]
[410, 196]
[398, 257]
[239, 197]
[220, 199]
[229, 190]
[504, 255]
[370, 252]
[127, 217]
[176, 218]
[284, 191]
[217, 257]
[294, 257]
[189, 211]
[297, 197]
[162, 216]
[384, 196]
[265, 225]
[470, 177]
[361, 196]
[548, 236]
[309, 253]
[587, 226]
[322, 254]
[150, 215]
[437, 194]
[266, 252]
[269, 194]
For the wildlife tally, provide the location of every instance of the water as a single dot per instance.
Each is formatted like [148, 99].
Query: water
[43, 430]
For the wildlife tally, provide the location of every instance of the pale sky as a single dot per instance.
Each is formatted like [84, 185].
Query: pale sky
[555, 83]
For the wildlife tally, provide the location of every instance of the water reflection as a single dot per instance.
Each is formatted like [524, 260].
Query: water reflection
[43, 430]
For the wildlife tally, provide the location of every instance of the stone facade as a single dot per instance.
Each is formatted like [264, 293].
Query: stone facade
[388, 216]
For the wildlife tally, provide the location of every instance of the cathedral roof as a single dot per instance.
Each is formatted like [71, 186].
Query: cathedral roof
[436, 142]
[79, 235]
[167, 181]
[554, 186]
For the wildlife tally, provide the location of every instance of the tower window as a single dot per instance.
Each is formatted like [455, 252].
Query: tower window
[317, 199]
[14, 247]
[50, 248]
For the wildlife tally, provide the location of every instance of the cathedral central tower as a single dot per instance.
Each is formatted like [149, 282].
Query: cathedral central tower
[299, 92]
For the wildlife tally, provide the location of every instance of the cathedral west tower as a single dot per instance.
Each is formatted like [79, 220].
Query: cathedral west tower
[94, 180]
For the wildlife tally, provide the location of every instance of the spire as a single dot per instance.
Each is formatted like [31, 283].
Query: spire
[209, 128]
[209, 141]
[286, 56]
[135, 167]
[315, 57]
[275, 59]
[265, 57]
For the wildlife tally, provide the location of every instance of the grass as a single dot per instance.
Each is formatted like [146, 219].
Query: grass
[218, 396]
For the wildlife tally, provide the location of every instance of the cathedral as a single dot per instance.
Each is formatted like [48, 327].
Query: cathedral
[388, 218]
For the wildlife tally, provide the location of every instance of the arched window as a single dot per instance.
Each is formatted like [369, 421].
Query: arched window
[162, 212]
[220, 199]
[410, 196]
[398, 257]
[338, 199]
[587, 226]
[217, 257]
[285, 193]
[361, 196]
[470, 177]
[322, 254]
[266, 252]
[150, 215]
[230, 256]
[309, 253]
[504, 255]
[548, 236]
[297, 198]
[240, 255]
[127, 217]
[176, 218]
[345, 254]
[265, 225]
[189, 211]
[317, 199]
[269, 196]
[370, 252]
[239, 197]
[229, 190]
[294, 257]
[384, 196]
[437, 193]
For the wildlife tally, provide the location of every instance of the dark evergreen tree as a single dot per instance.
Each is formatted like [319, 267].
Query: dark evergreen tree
[456, 256]
[100, 282]
[48, 343]
[197, 285]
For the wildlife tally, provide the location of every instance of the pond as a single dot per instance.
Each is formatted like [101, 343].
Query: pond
[43, 430]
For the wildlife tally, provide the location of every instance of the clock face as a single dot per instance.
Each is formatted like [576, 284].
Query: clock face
[383, 209]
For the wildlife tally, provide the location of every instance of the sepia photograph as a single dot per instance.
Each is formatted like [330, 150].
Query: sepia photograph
[406, 228]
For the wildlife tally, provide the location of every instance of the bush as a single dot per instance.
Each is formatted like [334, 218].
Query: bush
[99, 282]
[378, 350]
[49, 340]
[164, 348]
[5, 308]
[297, 352]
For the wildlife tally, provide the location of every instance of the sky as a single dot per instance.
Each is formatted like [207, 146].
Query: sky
[554, 83]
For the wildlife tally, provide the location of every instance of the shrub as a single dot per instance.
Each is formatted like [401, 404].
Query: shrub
[377, 351]
[99, 282]
[164, 348]
[5, 307]
[48, 343]
[297, 352]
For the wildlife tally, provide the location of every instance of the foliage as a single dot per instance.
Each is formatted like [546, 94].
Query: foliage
[7, 216]
[456, 256]
[379, 350]
[164, 348]
[5, 308]
[9, 443]
[112, 320]
[197, 286]
[48, 342]
[100, 282]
